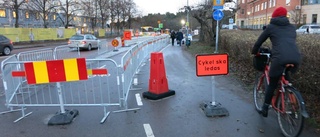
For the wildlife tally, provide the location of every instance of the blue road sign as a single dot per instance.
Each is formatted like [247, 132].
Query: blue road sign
[230, 20]
[217, 15]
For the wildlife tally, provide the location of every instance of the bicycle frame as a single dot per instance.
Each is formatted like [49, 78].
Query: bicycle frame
[287, 102]
[279, 92]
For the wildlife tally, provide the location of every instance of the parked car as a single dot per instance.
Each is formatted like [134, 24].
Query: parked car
[313, 29]
[226, 26]
[84, 41]
[6, 45]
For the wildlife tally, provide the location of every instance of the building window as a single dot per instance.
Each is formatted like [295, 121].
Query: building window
[242, 1]
[27, 15]
[274, 3]
[242, 11]
[262, 6]
[14, 14]
[265, 5]
[270, 3]
[54, 17]
[37, 16]
[314, 18]
[47, 17]
[304, 18]
[288, 2]
[2, 13]
[311, 1]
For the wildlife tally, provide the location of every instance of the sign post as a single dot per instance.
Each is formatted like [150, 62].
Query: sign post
[211, 65]
[217, 15]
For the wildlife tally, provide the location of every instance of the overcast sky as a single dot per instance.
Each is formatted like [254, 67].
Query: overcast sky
[162, 6]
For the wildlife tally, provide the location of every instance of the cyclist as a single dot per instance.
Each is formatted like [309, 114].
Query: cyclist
[284, 51]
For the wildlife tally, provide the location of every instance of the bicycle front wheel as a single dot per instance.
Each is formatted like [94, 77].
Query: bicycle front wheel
[290, 119]
[259, 89]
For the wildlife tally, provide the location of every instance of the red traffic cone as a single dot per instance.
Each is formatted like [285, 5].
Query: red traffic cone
[158, 83]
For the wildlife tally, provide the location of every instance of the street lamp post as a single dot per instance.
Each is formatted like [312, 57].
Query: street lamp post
[187, 19]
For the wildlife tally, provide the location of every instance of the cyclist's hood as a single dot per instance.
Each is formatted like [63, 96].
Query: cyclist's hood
[280, 21]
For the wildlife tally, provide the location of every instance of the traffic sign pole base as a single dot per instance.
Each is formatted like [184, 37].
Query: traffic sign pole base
[63, 118]
[153, 96]
[213, 110]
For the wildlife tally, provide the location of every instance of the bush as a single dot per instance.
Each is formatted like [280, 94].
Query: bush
[238, 45]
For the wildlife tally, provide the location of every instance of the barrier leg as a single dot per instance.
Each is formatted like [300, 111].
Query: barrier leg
[64, 116]
[106, 114]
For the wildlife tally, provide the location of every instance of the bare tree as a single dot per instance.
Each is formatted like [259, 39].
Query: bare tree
[104, 10]
[131, 12]
[67, 10]
[15, 5]
[89, 10]
[203, 14]
[296, 16]
[116, 12]
[112, 14]
[128, 8]
[44, 7]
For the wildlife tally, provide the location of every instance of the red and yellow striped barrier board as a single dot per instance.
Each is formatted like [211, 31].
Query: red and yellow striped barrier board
[57, 71]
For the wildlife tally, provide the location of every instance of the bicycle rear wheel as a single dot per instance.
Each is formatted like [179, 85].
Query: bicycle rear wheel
[259, 91]
[291, 120]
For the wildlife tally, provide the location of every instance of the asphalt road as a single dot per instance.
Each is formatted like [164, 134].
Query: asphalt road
[177, 116]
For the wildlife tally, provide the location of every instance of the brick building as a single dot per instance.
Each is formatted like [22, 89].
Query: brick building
[257, 13]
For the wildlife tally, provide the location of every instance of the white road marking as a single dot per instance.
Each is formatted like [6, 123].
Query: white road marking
[148, 130]
[138, 98]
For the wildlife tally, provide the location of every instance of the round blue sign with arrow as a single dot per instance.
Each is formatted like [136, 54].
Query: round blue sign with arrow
[217, 15]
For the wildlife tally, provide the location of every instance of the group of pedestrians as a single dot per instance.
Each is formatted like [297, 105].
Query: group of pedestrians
[178, 36]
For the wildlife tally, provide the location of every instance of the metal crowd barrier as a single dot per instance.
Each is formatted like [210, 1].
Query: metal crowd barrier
[133, 58]
[97, 90]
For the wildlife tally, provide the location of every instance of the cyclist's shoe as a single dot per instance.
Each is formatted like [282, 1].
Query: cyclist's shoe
[264, 110]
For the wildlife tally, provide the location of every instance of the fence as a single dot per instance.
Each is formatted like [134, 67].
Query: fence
[103, 90]
[133, 58]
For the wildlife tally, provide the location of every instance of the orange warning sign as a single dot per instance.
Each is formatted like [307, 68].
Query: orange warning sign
[212, 64]
[127, 35]
[115, 42]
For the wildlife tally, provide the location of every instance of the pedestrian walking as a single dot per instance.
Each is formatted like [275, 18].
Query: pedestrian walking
[173, 37]
[179, 37]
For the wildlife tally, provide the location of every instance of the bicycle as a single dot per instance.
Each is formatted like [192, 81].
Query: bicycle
[287, 101]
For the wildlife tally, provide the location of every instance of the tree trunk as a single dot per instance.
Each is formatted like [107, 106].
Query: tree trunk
[16, 25]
